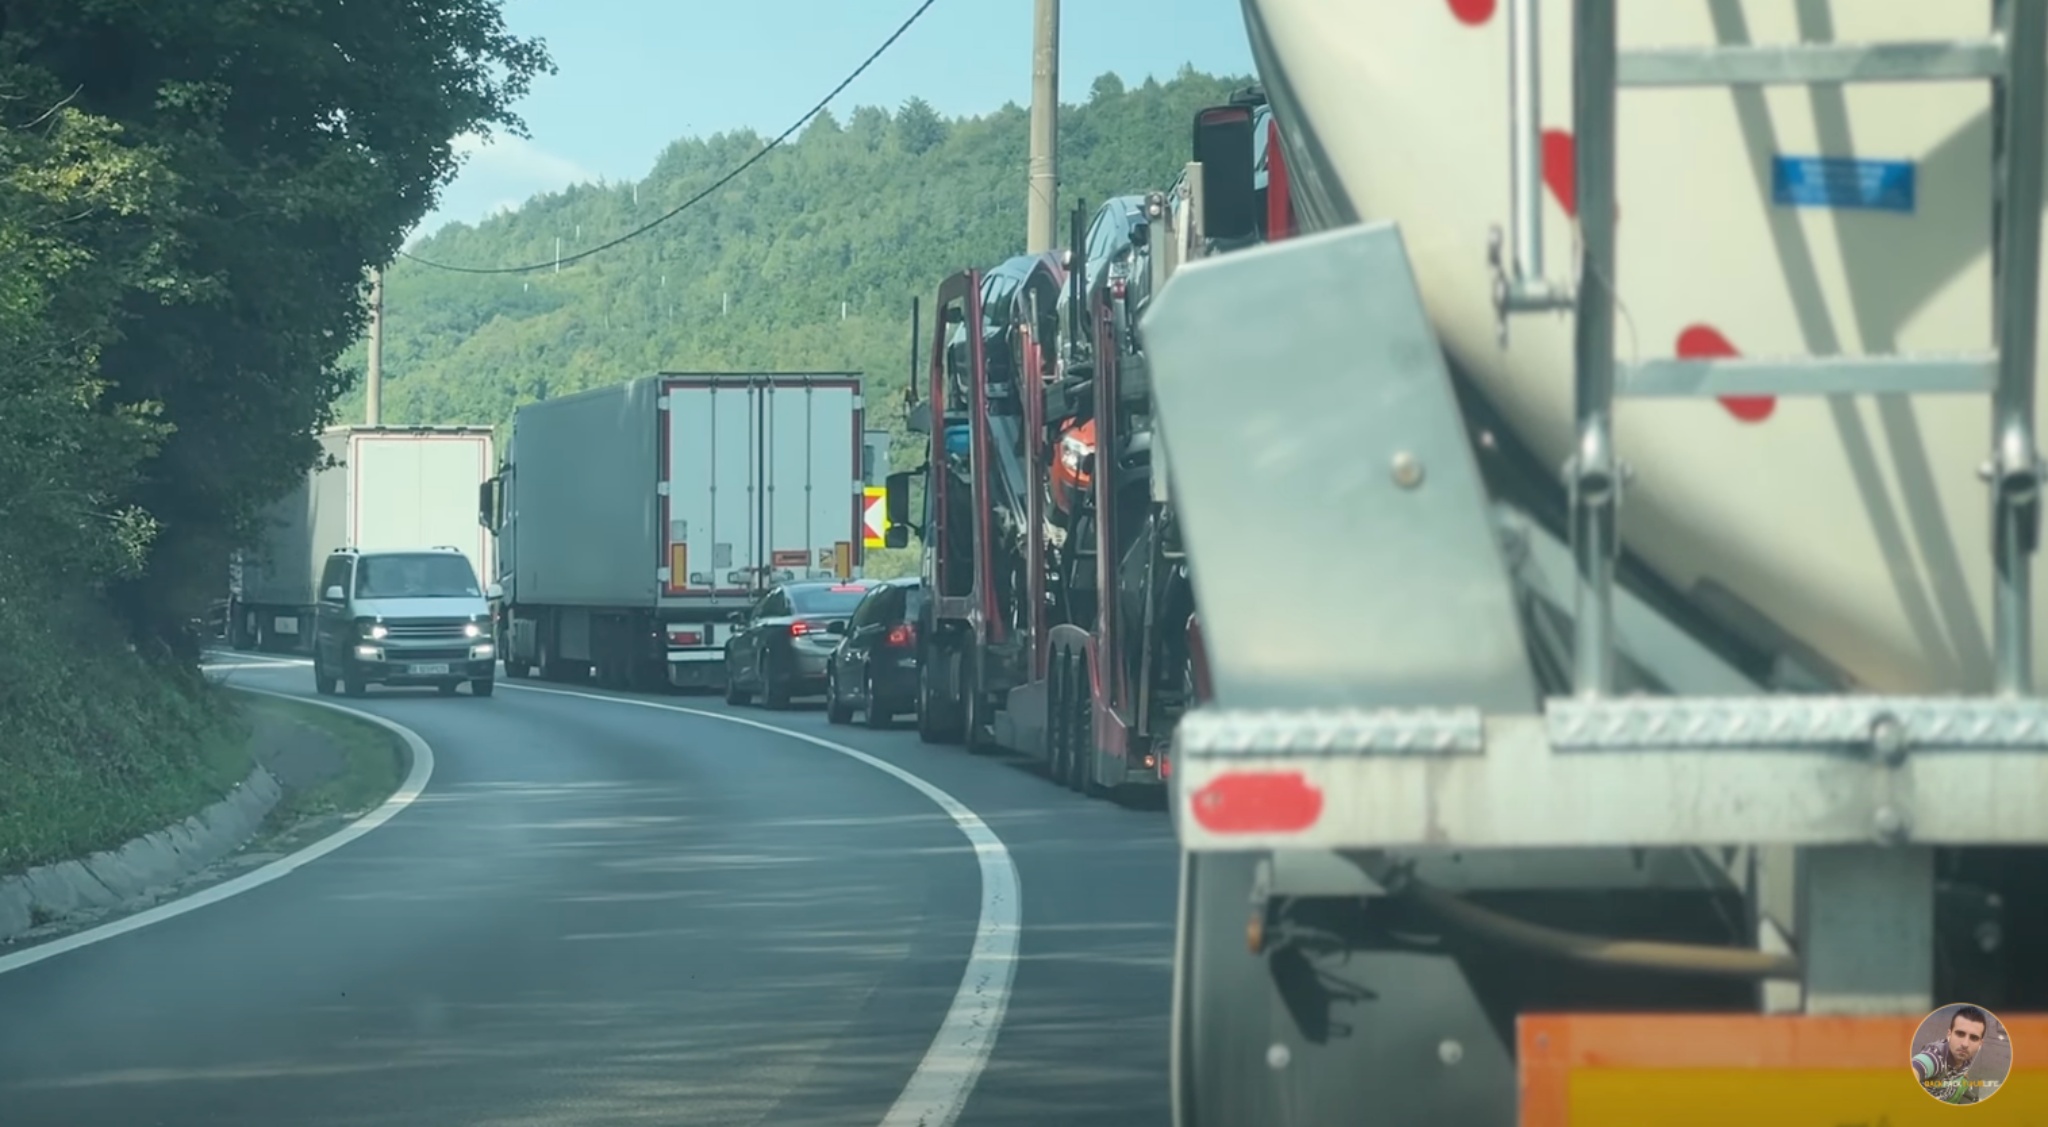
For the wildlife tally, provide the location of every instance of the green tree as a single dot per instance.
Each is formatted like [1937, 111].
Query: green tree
[190, 193]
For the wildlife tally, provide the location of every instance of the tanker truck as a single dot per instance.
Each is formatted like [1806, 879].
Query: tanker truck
[1672, 743]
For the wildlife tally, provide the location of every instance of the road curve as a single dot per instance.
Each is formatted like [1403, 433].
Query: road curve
[601, 912]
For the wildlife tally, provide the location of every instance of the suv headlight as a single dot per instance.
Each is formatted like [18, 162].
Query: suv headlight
[371, 628]
[479, 627]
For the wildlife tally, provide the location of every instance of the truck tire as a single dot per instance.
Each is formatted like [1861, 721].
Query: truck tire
[240, 638]
[937, 722]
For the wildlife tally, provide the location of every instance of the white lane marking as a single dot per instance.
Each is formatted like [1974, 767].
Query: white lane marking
[938, 1090]
[415, 782]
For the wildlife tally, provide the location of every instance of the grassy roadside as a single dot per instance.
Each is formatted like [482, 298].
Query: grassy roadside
[167, 748]
[349, 767]
[98, 746]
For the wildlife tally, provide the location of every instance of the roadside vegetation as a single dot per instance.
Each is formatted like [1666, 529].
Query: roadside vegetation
[340, 767]
[191, 192]
[807, 262]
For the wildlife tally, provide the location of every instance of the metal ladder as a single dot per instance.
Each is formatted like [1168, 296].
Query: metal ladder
[2014, 57]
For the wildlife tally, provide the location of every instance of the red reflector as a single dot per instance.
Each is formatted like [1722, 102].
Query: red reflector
[1264, 802]
[901, 634]
[685, 638]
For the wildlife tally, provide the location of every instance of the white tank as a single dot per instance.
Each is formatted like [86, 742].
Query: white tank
[1859, 527]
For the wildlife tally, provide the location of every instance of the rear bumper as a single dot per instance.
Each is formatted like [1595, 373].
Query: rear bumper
[696, 667]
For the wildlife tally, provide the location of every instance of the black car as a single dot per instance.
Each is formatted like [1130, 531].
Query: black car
[874, 670]
[780, 648]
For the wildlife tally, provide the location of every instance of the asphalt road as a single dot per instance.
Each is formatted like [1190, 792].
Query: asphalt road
[604, 913]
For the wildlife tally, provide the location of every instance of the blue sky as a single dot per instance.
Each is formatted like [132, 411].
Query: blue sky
[634, 75]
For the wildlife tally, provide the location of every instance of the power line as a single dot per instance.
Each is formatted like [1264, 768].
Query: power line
[702, 195]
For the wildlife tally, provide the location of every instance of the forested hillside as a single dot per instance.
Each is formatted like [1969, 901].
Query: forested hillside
[809, 260]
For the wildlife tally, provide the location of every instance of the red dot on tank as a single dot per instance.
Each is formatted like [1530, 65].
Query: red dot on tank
[1473, 12]
[1705, 342]
[1561, 170]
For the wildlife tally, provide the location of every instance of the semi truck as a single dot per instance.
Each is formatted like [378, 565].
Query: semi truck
[1665, 737]
[376, 487]
[634, 522]
[1026, 526]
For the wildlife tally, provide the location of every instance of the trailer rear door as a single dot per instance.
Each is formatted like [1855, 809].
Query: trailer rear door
[419, 491]
[762, 480]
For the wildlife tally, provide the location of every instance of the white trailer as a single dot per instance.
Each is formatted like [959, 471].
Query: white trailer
[633, 521]
[378, 487]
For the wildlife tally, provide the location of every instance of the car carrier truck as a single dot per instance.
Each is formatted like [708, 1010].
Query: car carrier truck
[1026, 524]
[377, 487]
[633, 521]
[1676, 742]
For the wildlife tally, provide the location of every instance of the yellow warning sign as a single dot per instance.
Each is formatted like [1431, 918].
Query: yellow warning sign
[875, 516]
[842, 559]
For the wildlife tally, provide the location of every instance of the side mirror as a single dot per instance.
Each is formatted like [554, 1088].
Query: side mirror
[494, 591]
[334, 595]
[1224, 148]
[835, 628]
[918, 420]
[896, 536]
[897, 504]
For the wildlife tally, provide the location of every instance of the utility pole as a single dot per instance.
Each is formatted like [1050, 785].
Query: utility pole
[1045, 127]
[375, 384]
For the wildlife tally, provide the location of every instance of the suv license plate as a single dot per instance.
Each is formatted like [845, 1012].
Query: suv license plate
[428, 670]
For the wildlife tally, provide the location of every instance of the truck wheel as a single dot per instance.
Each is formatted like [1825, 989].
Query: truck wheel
[836, 710]
[935, 716]
[322, 682]
[239, 636]
[483, 686]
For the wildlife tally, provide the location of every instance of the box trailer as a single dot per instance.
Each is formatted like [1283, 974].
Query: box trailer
[387, 487]
[632, 521]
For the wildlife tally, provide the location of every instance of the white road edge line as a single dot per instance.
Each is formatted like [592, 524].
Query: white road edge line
[415, 782]
[945, 1078]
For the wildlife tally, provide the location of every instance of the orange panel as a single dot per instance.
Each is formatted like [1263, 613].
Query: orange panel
[1682, 1070]
[678, 566]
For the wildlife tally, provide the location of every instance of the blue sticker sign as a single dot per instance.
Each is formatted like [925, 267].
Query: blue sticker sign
[1843, 182]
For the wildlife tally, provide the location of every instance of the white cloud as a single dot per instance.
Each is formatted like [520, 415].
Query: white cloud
[499, 175]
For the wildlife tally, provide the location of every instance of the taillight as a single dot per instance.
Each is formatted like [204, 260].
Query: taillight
[903, 634]
[799, 629]
[685, 638]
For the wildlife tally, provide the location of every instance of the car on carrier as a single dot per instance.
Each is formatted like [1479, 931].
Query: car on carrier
[781, 647]
[403, 617]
